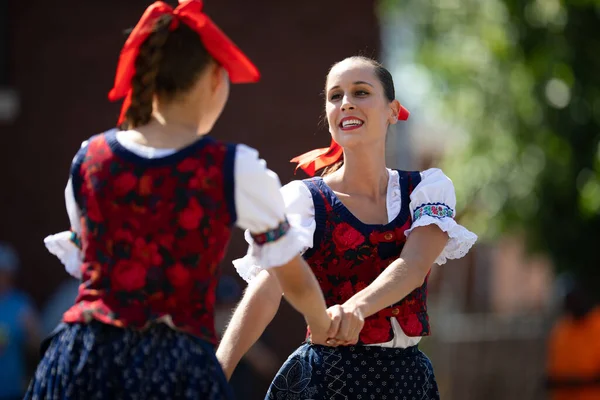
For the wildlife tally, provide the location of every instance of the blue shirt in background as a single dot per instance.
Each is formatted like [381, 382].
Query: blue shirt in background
[13, 306]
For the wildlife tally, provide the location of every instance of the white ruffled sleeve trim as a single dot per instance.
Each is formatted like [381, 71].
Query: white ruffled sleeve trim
[433, 201]
[68, 253]
[269, 255]
[300, 212]
[460, 239]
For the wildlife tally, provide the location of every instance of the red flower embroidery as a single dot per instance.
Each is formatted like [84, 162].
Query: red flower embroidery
[166, 241]
[212, 173]
[400, 231]
[145, 187]
[411, 325]
[128, 275]
[178, 275]
[92, 210]
[147, 253]
[189, 218]
[374, 237]
[123, 235]
[376, 330]
[345, 290]
[346, 237]
[189, 165]
[359, 286]
[196, 183]
[124, 183]
[318, 269]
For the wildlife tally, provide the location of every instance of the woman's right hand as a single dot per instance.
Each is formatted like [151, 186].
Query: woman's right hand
[346, 322]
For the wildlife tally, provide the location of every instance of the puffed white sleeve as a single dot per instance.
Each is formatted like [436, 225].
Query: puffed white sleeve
[263, 207]
[433, 201]
[66, 245]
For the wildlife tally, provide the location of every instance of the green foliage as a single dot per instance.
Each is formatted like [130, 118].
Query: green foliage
[518, 82]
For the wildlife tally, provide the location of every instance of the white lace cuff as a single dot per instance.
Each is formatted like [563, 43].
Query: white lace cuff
[460, 239]
[269, 255]
[67, 251]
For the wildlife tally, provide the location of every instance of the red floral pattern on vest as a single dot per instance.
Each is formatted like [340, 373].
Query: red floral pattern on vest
[153, 234]
[349, 255]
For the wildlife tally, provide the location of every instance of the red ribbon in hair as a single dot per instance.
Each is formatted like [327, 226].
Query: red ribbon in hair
[314, 160]
[220, 47]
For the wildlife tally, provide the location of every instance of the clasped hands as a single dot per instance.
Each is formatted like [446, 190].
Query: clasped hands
[346, 323]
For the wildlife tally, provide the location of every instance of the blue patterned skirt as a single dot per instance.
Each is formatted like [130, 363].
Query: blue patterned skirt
[355, 372]
[99, 361]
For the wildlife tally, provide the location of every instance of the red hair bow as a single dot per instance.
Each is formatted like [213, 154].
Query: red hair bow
[220, 47]
[314, 160]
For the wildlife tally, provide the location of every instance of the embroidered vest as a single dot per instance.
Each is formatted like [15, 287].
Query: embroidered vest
[348, 255]
[153, 233]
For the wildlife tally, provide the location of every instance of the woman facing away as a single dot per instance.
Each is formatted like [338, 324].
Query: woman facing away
[370, 235]
[152, 205]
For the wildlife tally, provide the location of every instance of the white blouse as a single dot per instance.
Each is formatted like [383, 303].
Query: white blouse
[433, 195]
[258, 203]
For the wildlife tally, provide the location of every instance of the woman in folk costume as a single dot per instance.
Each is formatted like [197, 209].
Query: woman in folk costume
[370, 236]
[151, 206]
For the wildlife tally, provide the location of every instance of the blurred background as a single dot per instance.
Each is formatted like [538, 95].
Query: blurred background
[504, 97]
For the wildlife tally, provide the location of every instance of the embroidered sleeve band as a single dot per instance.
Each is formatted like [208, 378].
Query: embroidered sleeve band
[75, 239]
[272, 235]
[436, 210]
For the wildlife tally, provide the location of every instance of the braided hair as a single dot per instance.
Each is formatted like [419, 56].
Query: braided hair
[168, 64]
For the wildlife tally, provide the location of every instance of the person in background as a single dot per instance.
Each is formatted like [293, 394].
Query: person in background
[19, 328]
[573, 366]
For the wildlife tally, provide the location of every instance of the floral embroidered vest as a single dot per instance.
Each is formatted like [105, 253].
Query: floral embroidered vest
[153, 233]
[347, 255]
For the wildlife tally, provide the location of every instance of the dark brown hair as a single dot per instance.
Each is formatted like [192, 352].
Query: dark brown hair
[168, 63]
[384, 76]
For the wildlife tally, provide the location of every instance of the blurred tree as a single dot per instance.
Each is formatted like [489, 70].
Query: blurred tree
[518, 84]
